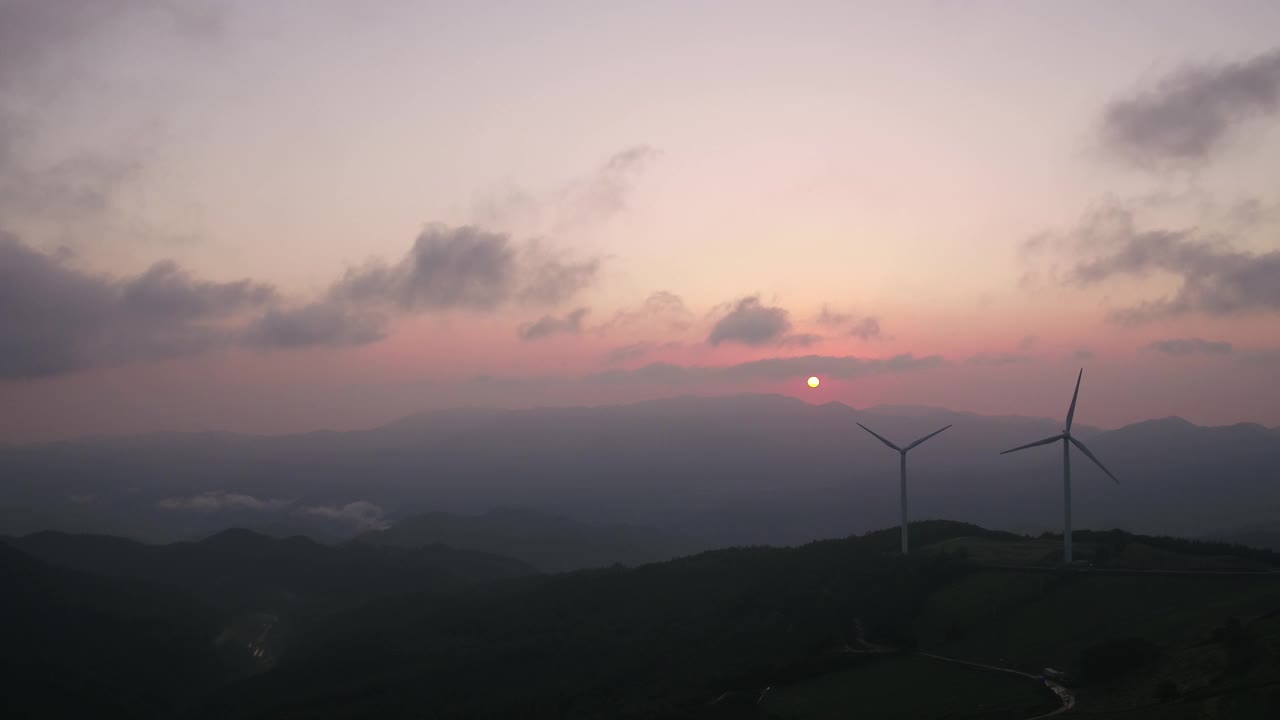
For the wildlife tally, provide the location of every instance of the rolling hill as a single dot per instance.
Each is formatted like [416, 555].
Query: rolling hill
[829, 629]
[77, 645]
[547, 542]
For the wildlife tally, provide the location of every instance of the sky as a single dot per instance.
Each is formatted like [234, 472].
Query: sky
[282, 217]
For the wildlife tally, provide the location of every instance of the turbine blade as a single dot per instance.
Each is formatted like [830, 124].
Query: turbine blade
[886, 442]
[1045, 441]
[926, 437]
[1071, 414]
[1080, 446]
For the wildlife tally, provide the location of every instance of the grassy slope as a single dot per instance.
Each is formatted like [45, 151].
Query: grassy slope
[906, 686]
[1032, 620]
[665, 639]
[1035, 620]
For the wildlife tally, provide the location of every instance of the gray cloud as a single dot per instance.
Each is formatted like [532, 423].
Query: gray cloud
[863, 328]
[81, 187]
[1216, 279]
[867, 328]
[465, 267]
[833, 317]
[627, 353]
[45, 48]
[446, 268]
[361, 514]
[998, 359]
[1182, 347]
[551, 279]
[1028, 342]
[1080, 355]
[215, 501]
[635, 351]
[55, 319]
[800, 340]
[324, 323]
[575, 206]
[1189, 114]
[167, 291]
[751, 323]
[548, 325]
[662, 309]
[605, 193]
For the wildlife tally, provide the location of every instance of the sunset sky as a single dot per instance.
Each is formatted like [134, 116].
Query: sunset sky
[288, 216]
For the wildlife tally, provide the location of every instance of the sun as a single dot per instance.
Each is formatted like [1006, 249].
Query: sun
[814, 381]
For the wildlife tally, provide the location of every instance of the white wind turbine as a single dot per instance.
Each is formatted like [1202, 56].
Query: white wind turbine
[903, 483]
[1067, 442]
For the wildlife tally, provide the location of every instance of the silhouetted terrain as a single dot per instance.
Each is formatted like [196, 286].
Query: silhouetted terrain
[77, 645]
[1257, 536]
[710, 471]
[256, 594]
[424, 596]
[829, 628]
[243, 570]
[549, 543]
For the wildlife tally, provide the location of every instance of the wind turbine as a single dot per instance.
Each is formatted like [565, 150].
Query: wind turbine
[903, 453]
[1067, 442]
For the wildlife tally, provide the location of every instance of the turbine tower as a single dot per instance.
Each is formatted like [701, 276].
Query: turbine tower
[1067, 442]
[903, 483]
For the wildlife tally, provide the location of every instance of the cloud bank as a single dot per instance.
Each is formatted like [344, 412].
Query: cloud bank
[548, 325]
[361, 514]
[1216, 279]
[1190, 113]
[56, 319]
[216, 501]
[751, 322]
[863, 328]
[465, 267]
[1183, 347]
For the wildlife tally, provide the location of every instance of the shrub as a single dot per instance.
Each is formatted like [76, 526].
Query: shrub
[1113, 659]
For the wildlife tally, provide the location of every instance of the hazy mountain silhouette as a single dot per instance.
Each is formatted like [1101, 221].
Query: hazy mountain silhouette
[716, 470]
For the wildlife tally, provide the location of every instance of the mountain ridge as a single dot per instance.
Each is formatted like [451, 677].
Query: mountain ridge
[717, 470]
[488, 413]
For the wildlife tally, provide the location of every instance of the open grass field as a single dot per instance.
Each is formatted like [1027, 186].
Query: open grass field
[1036, 619]
[990, 551]
[1046, 552]
[907, 686]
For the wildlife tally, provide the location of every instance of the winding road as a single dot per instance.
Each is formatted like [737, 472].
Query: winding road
[1064, 695]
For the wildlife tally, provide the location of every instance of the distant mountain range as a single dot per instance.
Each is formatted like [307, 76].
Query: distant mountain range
[708, 471]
